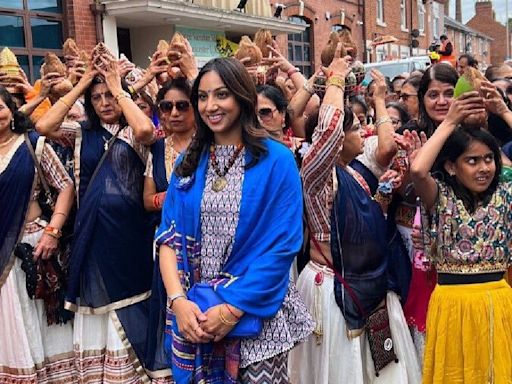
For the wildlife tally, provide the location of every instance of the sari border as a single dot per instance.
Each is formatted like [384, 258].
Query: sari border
[107, 308]
[76, 167]
[10, 263]
[131, 353]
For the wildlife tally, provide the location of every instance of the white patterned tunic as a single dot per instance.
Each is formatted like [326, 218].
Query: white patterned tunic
[219, 219]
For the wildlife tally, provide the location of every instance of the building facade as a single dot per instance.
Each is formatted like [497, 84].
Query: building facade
[485, 22]
[468, 40]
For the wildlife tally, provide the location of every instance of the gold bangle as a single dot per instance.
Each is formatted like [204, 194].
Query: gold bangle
[336, 81]
[59, 213]
[122, 95]
[382, 120]
[223, 319]
[64, 102]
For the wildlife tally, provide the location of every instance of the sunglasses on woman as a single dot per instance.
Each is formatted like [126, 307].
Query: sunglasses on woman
[266, 113]
[167, 106]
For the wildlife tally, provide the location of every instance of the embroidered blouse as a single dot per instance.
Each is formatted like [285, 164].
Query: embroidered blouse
[317, 167]
[219, 220]
[466, 243]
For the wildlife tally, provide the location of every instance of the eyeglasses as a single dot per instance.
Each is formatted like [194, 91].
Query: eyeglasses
[395, 121]
[167, 106]
[405, 96]
[266, 113]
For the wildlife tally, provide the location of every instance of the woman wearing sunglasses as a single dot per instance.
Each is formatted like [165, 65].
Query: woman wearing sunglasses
[177, 121]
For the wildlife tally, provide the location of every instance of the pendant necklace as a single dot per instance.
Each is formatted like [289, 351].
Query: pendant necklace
[220, 182]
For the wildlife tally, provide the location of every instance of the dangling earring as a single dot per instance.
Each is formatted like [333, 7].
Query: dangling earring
[12, 125]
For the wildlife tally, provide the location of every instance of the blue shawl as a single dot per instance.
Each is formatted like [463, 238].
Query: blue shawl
[267, 239]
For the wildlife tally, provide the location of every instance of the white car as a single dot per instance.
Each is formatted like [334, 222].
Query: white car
[397, 67]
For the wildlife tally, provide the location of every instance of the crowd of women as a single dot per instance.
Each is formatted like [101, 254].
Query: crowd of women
[220, 226]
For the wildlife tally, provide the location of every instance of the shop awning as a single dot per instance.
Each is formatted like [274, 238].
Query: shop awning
[140, 13]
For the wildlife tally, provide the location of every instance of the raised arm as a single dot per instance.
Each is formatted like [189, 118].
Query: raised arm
[142, 126]
[424, 183]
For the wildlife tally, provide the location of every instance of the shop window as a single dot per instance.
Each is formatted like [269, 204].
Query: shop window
[299, 48]
[31, 28]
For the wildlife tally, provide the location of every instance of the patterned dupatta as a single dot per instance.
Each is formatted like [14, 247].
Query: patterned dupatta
[268, 237]
[16, 185]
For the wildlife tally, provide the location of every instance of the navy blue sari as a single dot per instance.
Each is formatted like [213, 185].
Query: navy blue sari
[359, 249]
[112, 261]
[16, 184]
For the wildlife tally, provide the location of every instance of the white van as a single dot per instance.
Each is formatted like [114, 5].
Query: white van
[397, 67]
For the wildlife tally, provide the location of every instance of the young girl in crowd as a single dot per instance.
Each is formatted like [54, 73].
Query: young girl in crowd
[221, 226]
[469, 319]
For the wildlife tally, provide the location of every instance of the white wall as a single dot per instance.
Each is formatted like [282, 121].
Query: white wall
[144, 41]
[110, 34]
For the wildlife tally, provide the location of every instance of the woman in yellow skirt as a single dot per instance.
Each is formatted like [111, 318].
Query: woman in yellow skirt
[469, 321]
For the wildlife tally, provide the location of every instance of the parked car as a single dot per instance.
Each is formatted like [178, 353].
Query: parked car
[393, 68]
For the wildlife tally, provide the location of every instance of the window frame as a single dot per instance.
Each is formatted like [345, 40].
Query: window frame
[292, 44]
[421, 16]
[380, 12]
[403, 15]
[29, 50]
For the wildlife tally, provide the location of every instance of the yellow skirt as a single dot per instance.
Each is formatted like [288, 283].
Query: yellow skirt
[469, 334]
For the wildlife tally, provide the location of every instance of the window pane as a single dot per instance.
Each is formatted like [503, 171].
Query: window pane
[46, 33]
[298, 53]
[14, 4]
[45, 5]
[23, 62]
[11, 31]
[305, 35]
[37, 61]
[306, 53]
[290, 52]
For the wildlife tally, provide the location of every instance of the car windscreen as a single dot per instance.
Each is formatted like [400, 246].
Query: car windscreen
[389, 70]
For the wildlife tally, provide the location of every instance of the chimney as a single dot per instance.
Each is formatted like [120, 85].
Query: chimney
[484, 8]
[458, 11]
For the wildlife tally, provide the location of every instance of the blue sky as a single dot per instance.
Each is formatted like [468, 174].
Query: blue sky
[468, 9]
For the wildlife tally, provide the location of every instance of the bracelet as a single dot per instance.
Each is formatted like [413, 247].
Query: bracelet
[122, 95]
[309, 89]
[335, 81]
[131, 90]
[382, 120]
[292, 71]
[171, 299]
[53, 232]
[232, 313]
[223, 319]
[64, 102]
[59, 213]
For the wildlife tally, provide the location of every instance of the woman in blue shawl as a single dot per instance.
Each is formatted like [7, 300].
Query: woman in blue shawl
[111, 264]
[232, 218]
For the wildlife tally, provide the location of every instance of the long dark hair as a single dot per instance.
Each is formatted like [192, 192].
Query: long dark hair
[239, 82]
[22, 123]
[402, 111]
[458, 142]
[92, 117]
[443, 73]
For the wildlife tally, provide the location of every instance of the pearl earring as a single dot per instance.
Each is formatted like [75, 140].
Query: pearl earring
[12, 125]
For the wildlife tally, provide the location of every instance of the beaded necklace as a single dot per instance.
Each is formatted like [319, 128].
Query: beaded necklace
[220, 182]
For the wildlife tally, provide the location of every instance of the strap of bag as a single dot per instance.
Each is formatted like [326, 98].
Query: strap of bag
[36, 155]
[340, 278]
[103, 158]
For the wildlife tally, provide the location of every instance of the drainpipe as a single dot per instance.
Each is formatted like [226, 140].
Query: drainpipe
[365, 54]
[98, 10]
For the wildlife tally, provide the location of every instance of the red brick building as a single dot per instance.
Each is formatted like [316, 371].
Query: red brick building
[469, 40]
[485, 22]
[398, 18]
